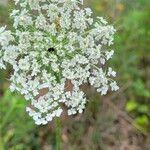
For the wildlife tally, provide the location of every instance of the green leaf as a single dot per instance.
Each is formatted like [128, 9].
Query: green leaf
[142, 120]
[1, 144]
[131, 105]
[140, 88]
[9, 134]
[143, 109]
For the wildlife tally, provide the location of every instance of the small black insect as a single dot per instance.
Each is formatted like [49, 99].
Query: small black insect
[51, 49]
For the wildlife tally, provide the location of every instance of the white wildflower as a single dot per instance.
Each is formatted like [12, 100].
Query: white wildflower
[114, 86]
[111, 72]
[56, 42]
[109, 54]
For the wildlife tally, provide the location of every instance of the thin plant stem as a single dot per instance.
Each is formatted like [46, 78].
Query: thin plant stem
[58, 133]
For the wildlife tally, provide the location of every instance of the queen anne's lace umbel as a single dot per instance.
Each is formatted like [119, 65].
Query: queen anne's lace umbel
[55, 44]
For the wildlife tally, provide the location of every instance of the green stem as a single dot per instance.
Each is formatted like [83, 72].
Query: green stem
[58, 133]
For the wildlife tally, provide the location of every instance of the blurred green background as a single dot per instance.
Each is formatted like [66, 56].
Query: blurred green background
[118, 121]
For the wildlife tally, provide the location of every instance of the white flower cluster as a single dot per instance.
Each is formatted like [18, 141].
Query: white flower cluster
[56, 42]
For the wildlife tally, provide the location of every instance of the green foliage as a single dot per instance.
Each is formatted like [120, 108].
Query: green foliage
[132, 43]
[140, 89]
[131, 105]
[15, 125]
[142, 120]
[140, 107]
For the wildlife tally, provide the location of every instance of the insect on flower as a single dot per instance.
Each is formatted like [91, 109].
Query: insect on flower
[57, 23]
[51, 49]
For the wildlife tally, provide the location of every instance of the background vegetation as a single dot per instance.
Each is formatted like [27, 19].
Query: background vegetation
[118, 121]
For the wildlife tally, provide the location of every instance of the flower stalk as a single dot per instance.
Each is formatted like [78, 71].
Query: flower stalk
[58, 133]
